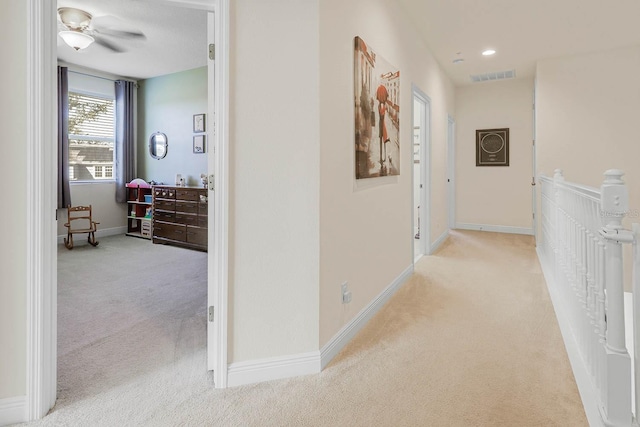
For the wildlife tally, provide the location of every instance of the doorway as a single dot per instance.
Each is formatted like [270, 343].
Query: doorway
[42, 283]
[421, 212]
[100, 308]
[534, 202]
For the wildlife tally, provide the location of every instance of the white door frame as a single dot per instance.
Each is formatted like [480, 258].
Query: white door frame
[41, 204]
[41, 252]
[218, 162]
[425, 172]
[451, 172]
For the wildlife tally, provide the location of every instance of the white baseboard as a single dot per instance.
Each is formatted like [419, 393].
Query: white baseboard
[342, 338]
[13, 410]
[114, 231]
[439, 241]
[274, 368]
[495, 228]
[254, 371]
[582, 377]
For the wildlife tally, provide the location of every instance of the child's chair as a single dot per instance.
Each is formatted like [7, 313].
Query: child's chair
[79, 220]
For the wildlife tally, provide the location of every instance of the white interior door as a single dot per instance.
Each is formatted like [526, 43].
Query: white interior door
[418, 250]
[421, 174]
[218, 166]
[534, 202]
[211, 74]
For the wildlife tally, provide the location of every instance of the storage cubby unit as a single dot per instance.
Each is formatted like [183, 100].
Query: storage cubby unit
[139, 211]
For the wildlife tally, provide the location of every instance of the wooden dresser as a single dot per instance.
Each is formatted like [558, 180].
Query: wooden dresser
[180, 216]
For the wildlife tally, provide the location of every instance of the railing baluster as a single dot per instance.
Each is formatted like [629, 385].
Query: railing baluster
[601, 321]
[584, 256]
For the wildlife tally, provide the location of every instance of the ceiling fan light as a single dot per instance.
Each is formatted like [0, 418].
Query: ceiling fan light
[76, 39]
[73, 18]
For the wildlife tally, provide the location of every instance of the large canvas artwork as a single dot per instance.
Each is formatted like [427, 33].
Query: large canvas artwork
[377, 108]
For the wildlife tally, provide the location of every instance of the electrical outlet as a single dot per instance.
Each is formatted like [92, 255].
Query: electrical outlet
[346, 293]
[346, 297]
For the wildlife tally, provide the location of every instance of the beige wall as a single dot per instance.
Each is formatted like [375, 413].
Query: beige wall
[497, 196]
[13, 265]
[102, 198]
[588, 110]
[366, 234]
[274, 179]
[587, 121]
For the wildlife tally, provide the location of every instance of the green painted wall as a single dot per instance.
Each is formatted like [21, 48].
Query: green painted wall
[167, 104]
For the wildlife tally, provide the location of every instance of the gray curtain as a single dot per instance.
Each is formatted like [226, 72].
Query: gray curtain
[125, 167]
[64, 193]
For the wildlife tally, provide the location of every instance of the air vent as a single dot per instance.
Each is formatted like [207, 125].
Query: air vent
[498, 75]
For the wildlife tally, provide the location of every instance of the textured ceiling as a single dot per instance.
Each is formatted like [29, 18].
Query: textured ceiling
[521, 31]
[175, 38]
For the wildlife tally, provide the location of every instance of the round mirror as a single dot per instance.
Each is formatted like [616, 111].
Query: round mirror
[158, 145]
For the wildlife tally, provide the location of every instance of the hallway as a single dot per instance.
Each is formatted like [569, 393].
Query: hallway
[470, 340]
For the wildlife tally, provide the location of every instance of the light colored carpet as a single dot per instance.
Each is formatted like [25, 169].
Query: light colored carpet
[470, 340]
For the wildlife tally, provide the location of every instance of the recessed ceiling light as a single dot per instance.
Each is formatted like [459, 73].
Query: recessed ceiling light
[489, 52]
[458, 60]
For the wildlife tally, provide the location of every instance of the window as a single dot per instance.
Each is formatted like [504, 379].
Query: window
[91, 137]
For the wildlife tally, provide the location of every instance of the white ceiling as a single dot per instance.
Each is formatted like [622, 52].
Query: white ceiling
[175, 38]
[521, 31]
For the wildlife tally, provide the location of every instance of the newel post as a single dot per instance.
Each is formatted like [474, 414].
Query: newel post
[636, 313]
[614, 203]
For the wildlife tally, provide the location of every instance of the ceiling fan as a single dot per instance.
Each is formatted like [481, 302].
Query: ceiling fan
[79, 30]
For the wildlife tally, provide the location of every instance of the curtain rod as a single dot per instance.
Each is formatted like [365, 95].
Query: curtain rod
[100, 77]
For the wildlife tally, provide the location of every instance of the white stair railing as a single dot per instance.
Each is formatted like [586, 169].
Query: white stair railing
[581, 253]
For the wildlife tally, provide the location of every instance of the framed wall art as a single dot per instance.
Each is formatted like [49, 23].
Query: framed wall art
[198, 123]
[492, 147]
[377, 114]
[198, 144]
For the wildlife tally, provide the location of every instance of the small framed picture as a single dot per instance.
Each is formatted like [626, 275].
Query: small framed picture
[198, 144]
[198, 123]
[492, 147]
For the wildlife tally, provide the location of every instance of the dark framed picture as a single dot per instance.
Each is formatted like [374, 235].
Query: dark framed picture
[198, 144]
[492, 147]
[198, 123]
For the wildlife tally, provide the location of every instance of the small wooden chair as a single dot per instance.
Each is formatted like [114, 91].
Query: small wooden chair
[84, 224]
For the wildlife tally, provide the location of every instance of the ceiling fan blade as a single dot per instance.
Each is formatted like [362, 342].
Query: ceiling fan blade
[108, 45]
[121, 33]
